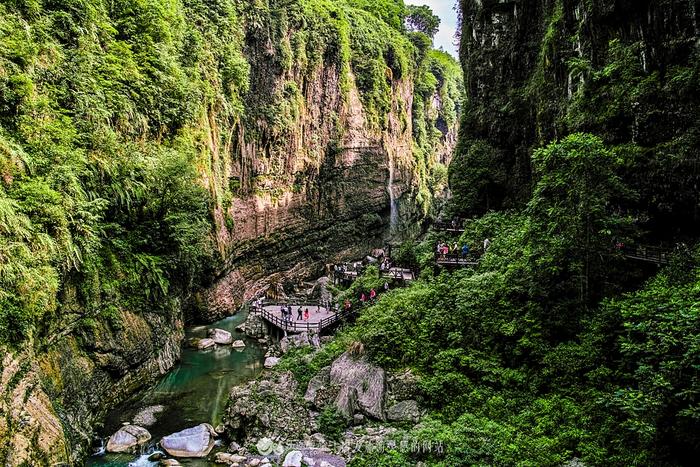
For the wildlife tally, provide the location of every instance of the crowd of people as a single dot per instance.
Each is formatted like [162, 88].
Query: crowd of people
[302, 313]
[444, 249]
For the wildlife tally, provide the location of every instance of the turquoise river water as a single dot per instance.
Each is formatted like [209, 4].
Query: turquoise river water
[193, 392]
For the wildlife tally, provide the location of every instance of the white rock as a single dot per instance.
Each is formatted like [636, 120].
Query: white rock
[239, 344]
[203, 344]
[220, 336]
[271, 362]
[292, 459]
[128, 437]
[197, 441]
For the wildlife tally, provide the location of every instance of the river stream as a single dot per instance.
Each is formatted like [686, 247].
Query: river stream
[195, 391]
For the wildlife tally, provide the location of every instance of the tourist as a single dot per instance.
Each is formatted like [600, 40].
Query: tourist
[455, 248]
[465, 251]
[386, 286]
[299, 313]
[487, 244]
[363, 298]
[306, 314]
[347, 305]
[372, 294]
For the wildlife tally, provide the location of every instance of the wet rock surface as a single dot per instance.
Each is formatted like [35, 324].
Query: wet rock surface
[220, 336]
[128, 438]
[197, 441]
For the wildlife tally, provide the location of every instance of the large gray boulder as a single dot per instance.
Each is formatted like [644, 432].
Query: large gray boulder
[362, 386]
[293, 459]
[197, 441]
[269, 407]
[204, 344]
[220, 336]
[404, 411]
[127, 438]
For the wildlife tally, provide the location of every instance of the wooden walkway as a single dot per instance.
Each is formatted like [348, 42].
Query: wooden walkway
[455, 260]
[401, 274]
[649, 254]
[442, 226]
[320, 317]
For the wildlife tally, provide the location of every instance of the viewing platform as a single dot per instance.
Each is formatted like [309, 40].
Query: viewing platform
[399, 274]
[650, 254]
[456, 259]
[320, 317]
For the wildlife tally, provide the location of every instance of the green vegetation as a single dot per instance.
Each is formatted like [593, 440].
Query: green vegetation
[537, 356]
[332, 423]
[100, 203]
[109, 112]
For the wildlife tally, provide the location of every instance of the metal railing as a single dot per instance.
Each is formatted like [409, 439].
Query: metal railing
[450, 259]
[397, 273]
[299, 326]
[650, 254]
[448, 226]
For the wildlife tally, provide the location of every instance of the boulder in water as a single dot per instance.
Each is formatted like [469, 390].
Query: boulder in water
[239, 344]
[170, 463]
[147, 415]
[128, 437]
[203, 344]
[220, 336]
[197, 441]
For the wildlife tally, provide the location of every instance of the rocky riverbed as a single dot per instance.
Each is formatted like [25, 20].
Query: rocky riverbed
[194, 392]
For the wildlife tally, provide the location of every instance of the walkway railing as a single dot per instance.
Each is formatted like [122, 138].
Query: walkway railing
[444, 226]
[650, 254]
[393, 273]
[455, 259]
[300, 326]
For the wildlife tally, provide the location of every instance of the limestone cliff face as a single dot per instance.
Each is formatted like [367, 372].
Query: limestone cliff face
[51, 399]
[324, 189]
[538, 70]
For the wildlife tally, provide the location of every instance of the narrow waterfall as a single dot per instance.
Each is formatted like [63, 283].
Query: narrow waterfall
[393, 202]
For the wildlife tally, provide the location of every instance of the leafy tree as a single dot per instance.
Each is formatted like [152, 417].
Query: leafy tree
[422, 19]
[572, 225]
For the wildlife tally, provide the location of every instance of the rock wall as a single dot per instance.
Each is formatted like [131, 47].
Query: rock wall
[317, 193]
[539, 70]
[51, 399]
